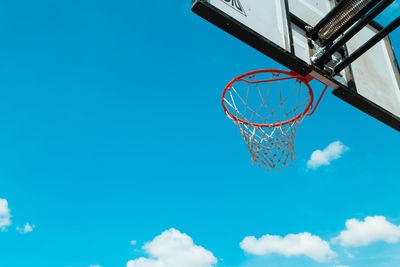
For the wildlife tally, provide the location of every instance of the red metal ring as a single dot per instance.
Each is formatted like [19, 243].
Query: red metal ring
[291, 75]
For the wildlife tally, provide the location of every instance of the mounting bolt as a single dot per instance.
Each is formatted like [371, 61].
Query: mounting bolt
[309, 28]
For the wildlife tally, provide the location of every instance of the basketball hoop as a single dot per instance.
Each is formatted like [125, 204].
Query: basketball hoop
[268, 106]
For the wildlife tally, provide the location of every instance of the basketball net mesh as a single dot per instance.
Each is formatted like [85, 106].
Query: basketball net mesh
[268, 108]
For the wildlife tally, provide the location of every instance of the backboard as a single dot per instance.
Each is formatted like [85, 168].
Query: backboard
[277, 28]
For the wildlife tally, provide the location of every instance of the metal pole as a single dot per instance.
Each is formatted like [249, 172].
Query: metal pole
[351, 21]
[353, 31]
[323, 21]
[368, 45]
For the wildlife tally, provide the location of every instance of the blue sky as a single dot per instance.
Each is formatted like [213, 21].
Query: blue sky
[112, 132]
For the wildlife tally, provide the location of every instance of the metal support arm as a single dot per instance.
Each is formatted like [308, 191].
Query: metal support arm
[352, 32]
[368, 45]
[327, 18]
[351, 21]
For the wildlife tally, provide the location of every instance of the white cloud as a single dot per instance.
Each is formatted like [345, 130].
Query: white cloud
[5, 217]
[291, 245]
[26, 229]
[91, 265]
[348, 254]
[174, 249]
[332, 152]
[372, 229]
[133, 242]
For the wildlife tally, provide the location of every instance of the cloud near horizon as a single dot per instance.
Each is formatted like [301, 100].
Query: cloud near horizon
[363, 233]
[332, 152]
[173, 248]
[5, 216]
[303, 244]
[28, 228]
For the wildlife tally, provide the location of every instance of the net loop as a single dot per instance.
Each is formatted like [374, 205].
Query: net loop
[268, 106]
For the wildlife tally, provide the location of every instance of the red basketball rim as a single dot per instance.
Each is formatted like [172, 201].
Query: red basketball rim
[291, 75]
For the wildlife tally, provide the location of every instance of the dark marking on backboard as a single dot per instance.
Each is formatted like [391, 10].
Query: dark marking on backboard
[236, 5]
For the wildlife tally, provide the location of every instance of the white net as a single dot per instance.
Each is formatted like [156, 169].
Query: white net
[268, 107]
